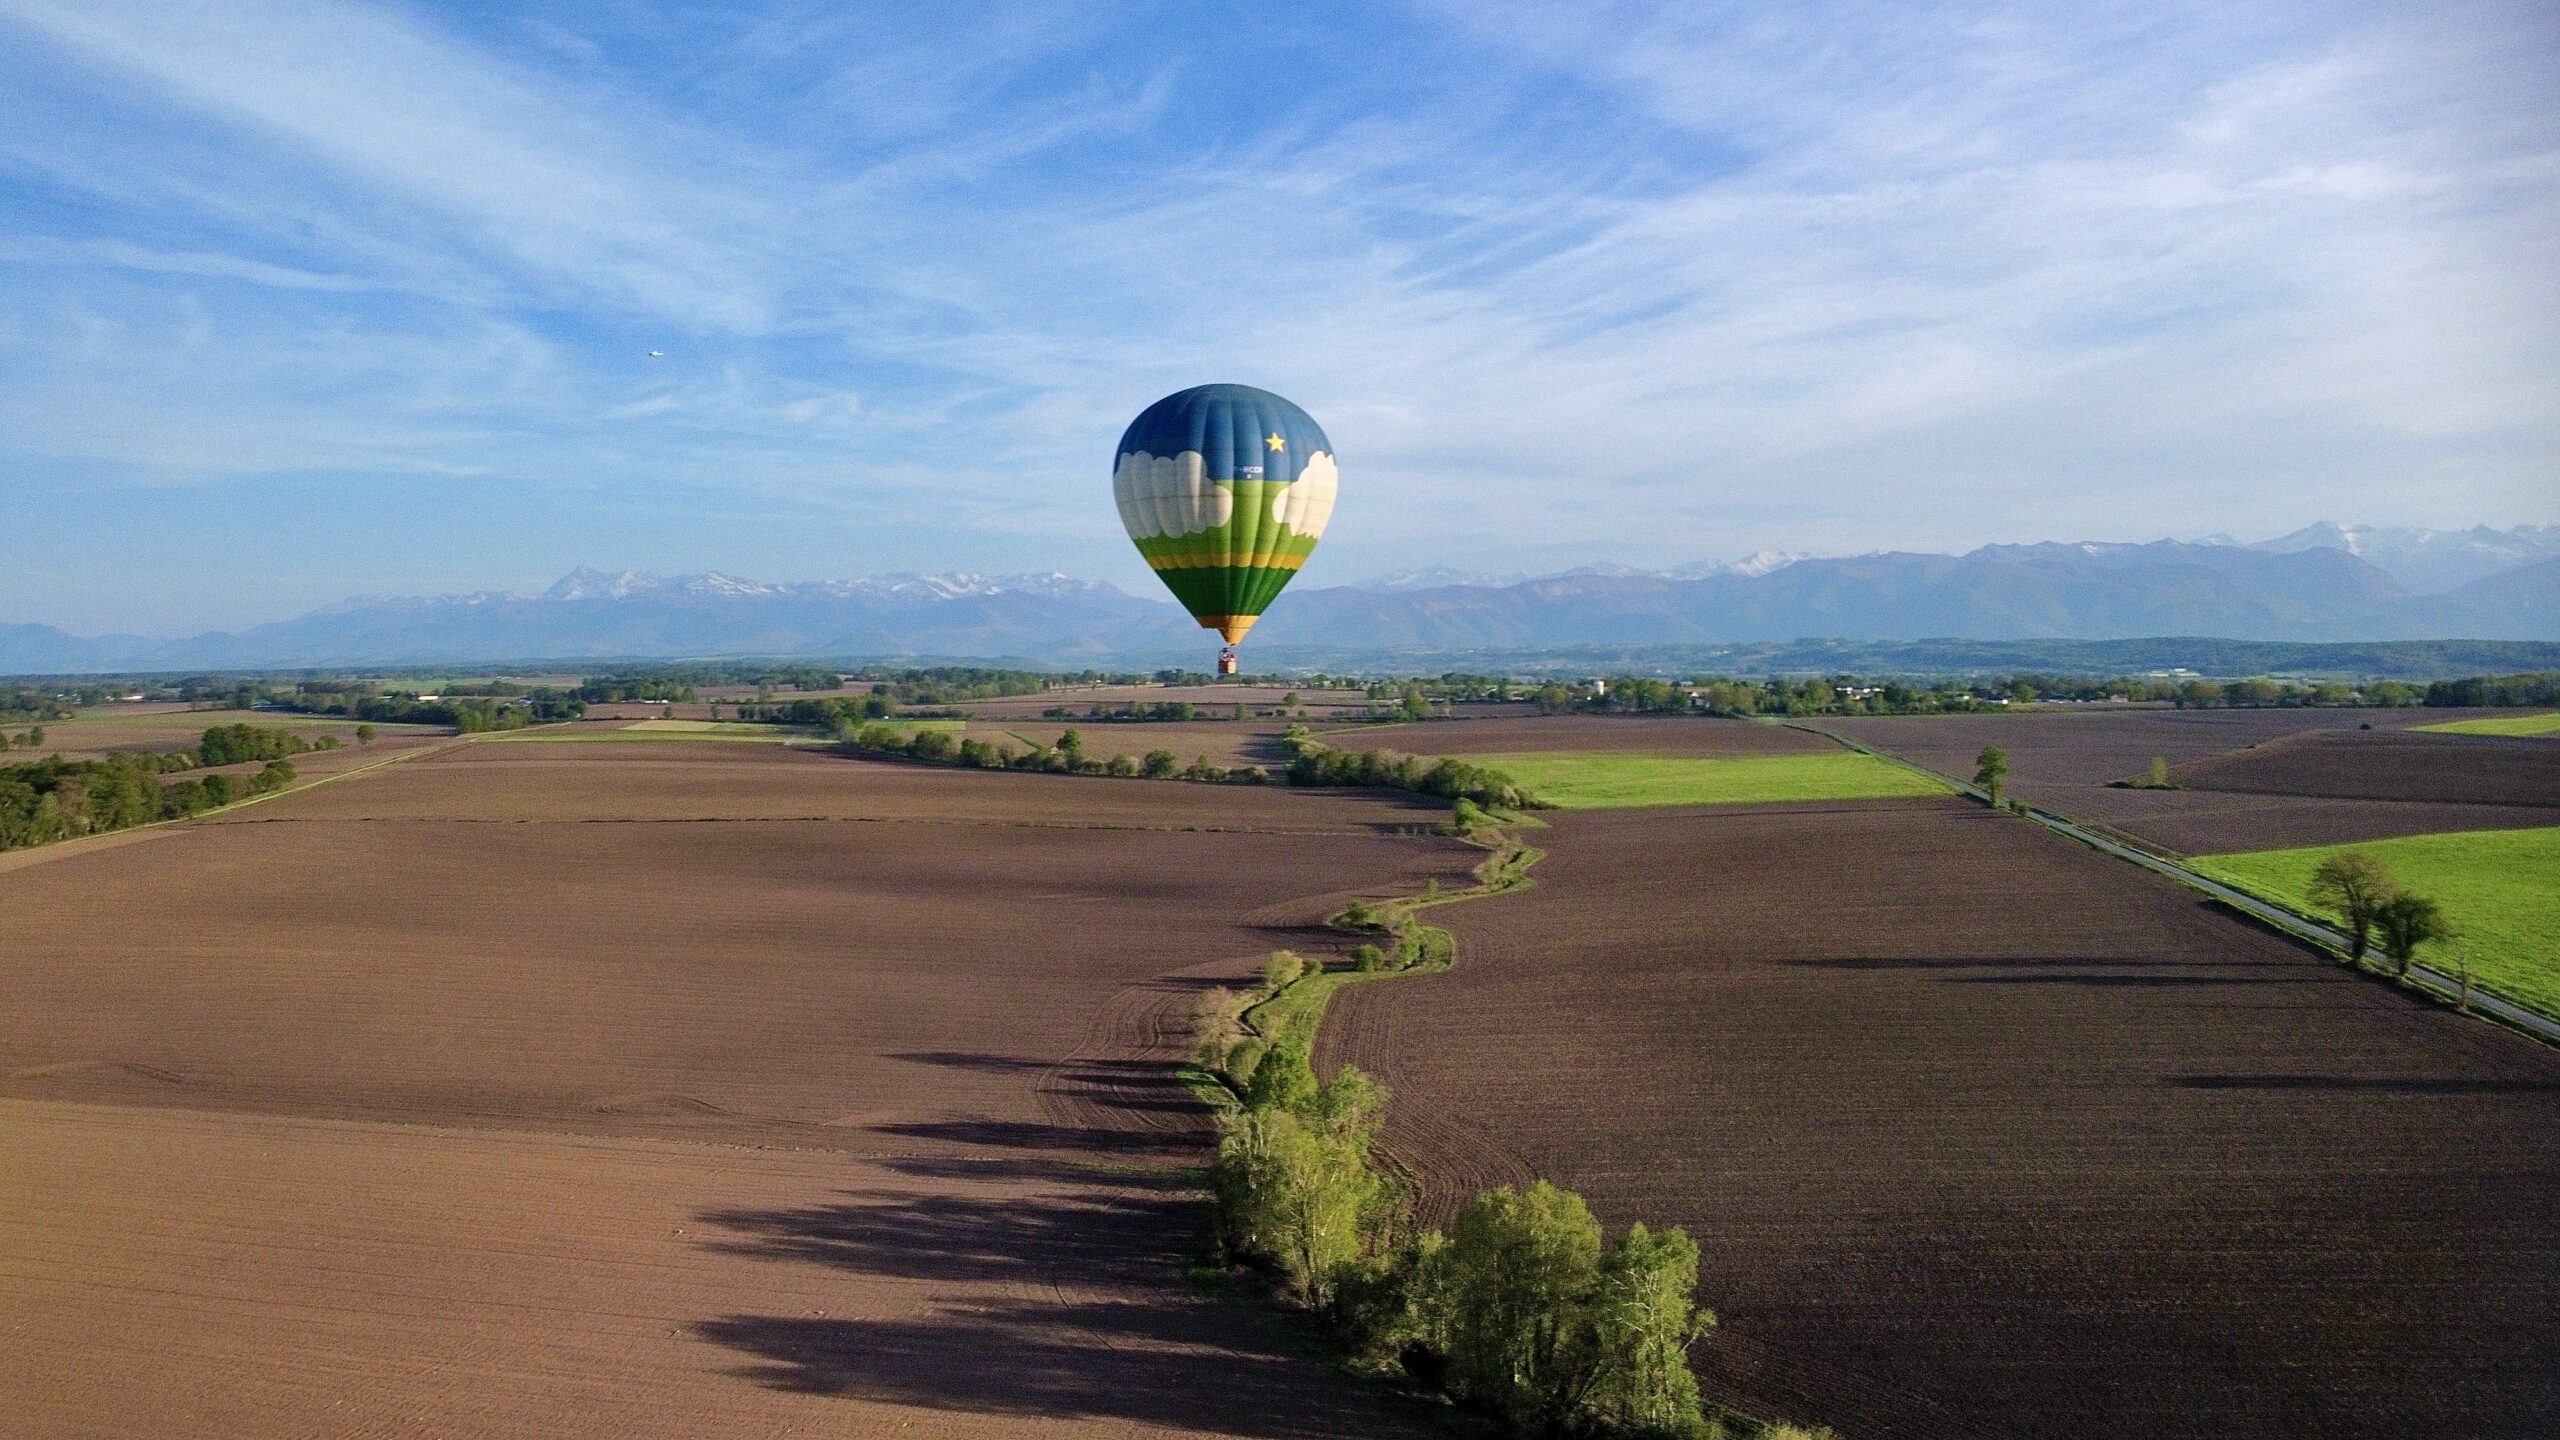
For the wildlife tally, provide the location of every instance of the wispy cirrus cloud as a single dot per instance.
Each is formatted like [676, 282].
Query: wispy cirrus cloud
[1639, 280]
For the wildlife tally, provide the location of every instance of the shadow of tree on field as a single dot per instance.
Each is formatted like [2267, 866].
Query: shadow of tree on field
[1115, 1362]
[2132, 981]
[1120, 1341]
[2412, 1085]
[1034, 1135]
[972, 1060]
[2034, 962]
[1090, 1226]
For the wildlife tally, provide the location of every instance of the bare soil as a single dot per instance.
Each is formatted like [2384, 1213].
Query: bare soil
[182, 1274]
[2214, 822]
[1219, 699]
[698, 780]
[543, 1089]
[2347, 783]
[2389, 765]
[1223, 742]
[1986, 1134]
[101, 730]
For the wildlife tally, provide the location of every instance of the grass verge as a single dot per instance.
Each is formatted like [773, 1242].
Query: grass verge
[2501, 889]
[1611, 781]
[2525, 725]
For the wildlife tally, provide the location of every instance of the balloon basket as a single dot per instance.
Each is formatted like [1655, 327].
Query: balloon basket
[1227, 661]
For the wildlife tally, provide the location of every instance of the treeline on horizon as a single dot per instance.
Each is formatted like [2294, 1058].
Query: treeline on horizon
[42, 801]
[1852, 695]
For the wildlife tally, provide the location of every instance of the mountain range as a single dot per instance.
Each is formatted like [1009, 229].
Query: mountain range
[2322, 584]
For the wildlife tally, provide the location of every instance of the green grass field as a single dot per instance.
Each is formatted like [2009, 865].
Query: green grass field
[2543, 724]
[1599, 781]
[2501, 889]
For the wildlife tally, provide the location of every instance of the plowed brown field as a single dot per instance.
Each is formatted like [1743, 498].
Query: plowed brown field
[1986, 1134]
[1212, 699]
[1221, 742]
[493, 1093]
[101, 730]
[704, 780]
[2336, 792]
[2389, 765]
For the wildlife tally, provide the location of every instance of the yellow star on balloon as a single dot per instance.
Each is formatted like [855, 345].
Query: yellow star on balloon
[1274, 441]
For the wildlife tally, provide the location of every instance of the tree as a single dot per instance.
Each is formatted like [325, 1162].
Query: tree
[1990, 768]
[1294, 1184]
[2158, 778]
[1071, 745]
[1552, 1331]
[1160, 765]
[2405, 922]
[2355, 885]
[365, 734]
[1289, 701]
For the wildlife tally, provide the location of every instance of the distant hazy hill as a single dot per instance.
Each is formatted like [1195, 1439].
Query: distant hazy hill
[2307, 592]
[2084, 591]
[589, 613]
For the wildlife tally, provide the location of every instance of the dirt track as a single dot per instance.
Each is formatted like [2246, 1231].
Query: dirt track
[1984, 1133]
[591, 1119]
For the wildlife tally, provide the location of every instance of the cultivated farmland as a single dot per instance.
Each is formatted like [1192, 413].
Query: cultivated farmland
[1212, 699]
[677, 1088]
[101, 730]
[2240, 797]
[2388, 765]
[1985, 1133]
[1220, 742]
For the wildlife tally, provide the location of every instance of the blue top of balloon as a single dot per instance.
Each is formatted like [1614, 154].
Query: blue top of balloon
[1241, 433]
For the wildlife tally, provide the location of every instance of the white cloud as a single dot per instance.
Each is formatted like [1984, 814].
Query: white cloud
[1635, 278]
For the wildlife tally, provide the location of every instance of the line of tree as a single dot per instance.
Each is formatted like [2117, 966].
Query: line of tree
[470, 714]
[20, 703]
[1523, 1310]
[1127, 712]
[56, 799]
[1314, 763]
[2497, 690]
[1852, 695]
[1067, 757]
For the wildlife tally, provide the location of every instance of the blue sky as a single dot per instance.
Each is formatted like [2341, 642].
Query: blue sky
[302, 299]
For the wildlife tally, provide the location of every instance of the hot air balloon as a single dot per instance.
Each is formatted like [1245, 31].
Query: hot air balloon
[1225, 488]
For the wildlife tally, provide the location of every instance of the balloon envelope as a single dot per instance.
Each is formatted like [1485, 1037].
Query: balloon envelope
[1225, 489]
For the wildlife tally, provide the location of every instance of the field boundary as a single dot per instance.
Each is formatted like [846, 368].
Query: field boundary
[1297, 1010]
[82, 844]
[2428, 981]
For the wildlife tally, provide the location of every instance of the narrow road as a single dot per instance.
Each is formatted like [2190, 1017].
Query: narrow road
[2281, 918]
